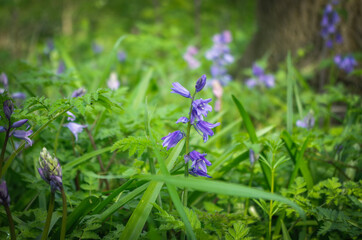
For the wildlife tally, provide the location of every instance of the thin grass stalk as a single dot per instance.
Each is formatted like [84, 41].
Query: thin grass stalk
[64, 218]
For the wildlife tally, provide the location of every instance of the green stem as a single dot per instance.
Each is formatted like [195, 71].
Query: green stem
[250, 182]
[44, 236]
[2, 156]
[11, 222]
[57, 136]
[271, 204]
[186, 172]
[64, 218]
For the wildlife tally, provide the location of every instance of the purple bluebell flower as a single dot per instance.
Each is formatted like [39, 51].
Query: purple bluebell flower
[182, 120]
[307, 122]
[78, 93]
[200, 108]
[19, 123]
[198, 172]
[2, 129]
[179, 89]
[329, 22]
[8, 107]
[189, 57]
[205, 128]
[50, 170]
[121, 56]
[71, 116]
[260, 78]
[61, 67]
[200, 84]
[252, 157]
[75, 128]
[172, 139]
[49, 46]
[347, 63]
[113, 82]
[24, 135]
[4, 80]
[18, 95]
[97, 49]
[4, 194]
[198, 160]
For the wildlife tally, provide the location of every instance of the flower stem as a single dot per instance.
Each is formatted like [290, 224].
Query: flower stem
[271, 204]
[2, 156]
[11, 222]
[186, 172]
[250, 182]
[44, 236]
[64, 218]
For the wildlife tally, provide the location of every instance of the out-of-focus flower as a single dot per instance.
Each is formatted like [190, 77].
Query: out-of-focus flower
[50, 170]
[260, 78]
[49, 46]
[182, 120]
[200, 84]
[4, 80]
[200, 108]
[347, 63]
[252, 157]
[113, 82]
[71, 116]
[8, 107]
[329, 22]
[75, 128]
[172, 139]
[97, 49]
[189, 57]
[218, 91]
[2, 129]
[24, 135]
[18, 95]
[121, 56]
[205, 128]
[199, 162]
[4, 194]
[61, 67]
[19, 123]
[179, 89]
[79, 93]
[307, 122]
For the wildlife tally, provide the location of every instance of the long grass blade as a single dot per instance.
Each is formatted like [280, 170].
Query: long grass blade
[290, 83]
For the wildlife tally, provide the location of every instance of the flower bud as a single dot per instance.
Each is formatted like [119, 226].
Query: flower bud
[4, 195]
[19, 123]
[200, 84]
[50, 170]
[8, 108]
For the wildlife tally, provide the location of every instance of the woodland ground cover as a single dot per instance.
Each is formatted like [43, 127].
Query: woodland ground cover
[153, 132]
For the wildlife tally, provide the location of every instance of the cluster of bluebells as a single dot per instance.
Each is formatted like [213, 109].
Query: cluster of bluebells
[5, 82]
[347, 63]
[220, 55]
[8, 108]
[190, 59]
[307, 122]
[199, 110]
[50, 170]
[260, 78]
[330, 20]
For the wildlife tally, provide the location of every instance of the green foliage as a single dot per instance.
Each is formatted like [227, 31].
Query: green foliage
[238, 232]
[132, 144]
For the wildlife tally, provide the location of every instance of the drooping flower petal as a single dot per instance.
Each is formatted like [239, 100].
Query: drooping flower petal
[179, 89]
[24, 135]
[71, 116]
[172, 139]
[200, 108]
[182, 120]
[75, 128]
[8, 107]
[200, 84]
[19, 123]
[79, 93]
[205, 128]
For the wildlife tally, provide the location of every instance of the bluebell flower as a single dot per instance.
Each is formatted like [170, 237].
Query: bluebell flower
[347, 63]
[75, 128]
[4, 80]
[182, 120]
[4, 194]
[329, 22]
[18, 95]
[307, 122]
[113, 82]
[80, 92]
[8, 107]
[200, 108]
[61, 67]
[198, 172]
[200, 84]
[205, 128]
[198, 160]
[189, 57]
[24, 135]
[121, 56]
[252, 157]
[19, 123]
[172, 139]
[97, 49]
[260, 78]
[50, 170]
[179, 89]
[71, 116]
[2, 129]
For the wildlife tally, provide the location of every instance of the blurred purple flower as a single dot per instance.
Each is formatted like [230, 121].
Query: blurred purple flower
[50, 170]
[113, 82]
[172, 139]
[4, 194]
[18, 95]
[205, 128]
[307, 122]
[61, 67]
[71, 116]
[189, 57]
[329, 22]
[260, 78]
[79, 93]
[179, 89]
[2, 129]
[121, 56]
[347, 63]
[97, 49]
[252, 157]
[24, 135]
[182, 120]
[4, 80]
[8, 107]
[75, 128]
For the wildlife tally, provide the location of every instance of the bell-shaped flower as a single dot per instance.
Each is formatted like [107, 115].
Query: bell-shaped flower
[75, 128]
[182, 120]
[71, 116]
[4, 80]
[50, 170]
[78, 93]
[19, 123]
[204, 128]
[198, 160]
[200, 108]
[24, 135]
[198, 172]
[4, 194]
[172, 139]
[121, 56]
[8, 107]
[200, 84]
[179, 89]
[307, 122]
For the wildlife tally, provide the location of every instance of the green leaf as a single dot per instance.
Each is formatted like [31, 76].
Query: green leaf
[219, 187]
[139, 93]
[285, 231]
[248, 124]
[290, 83]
